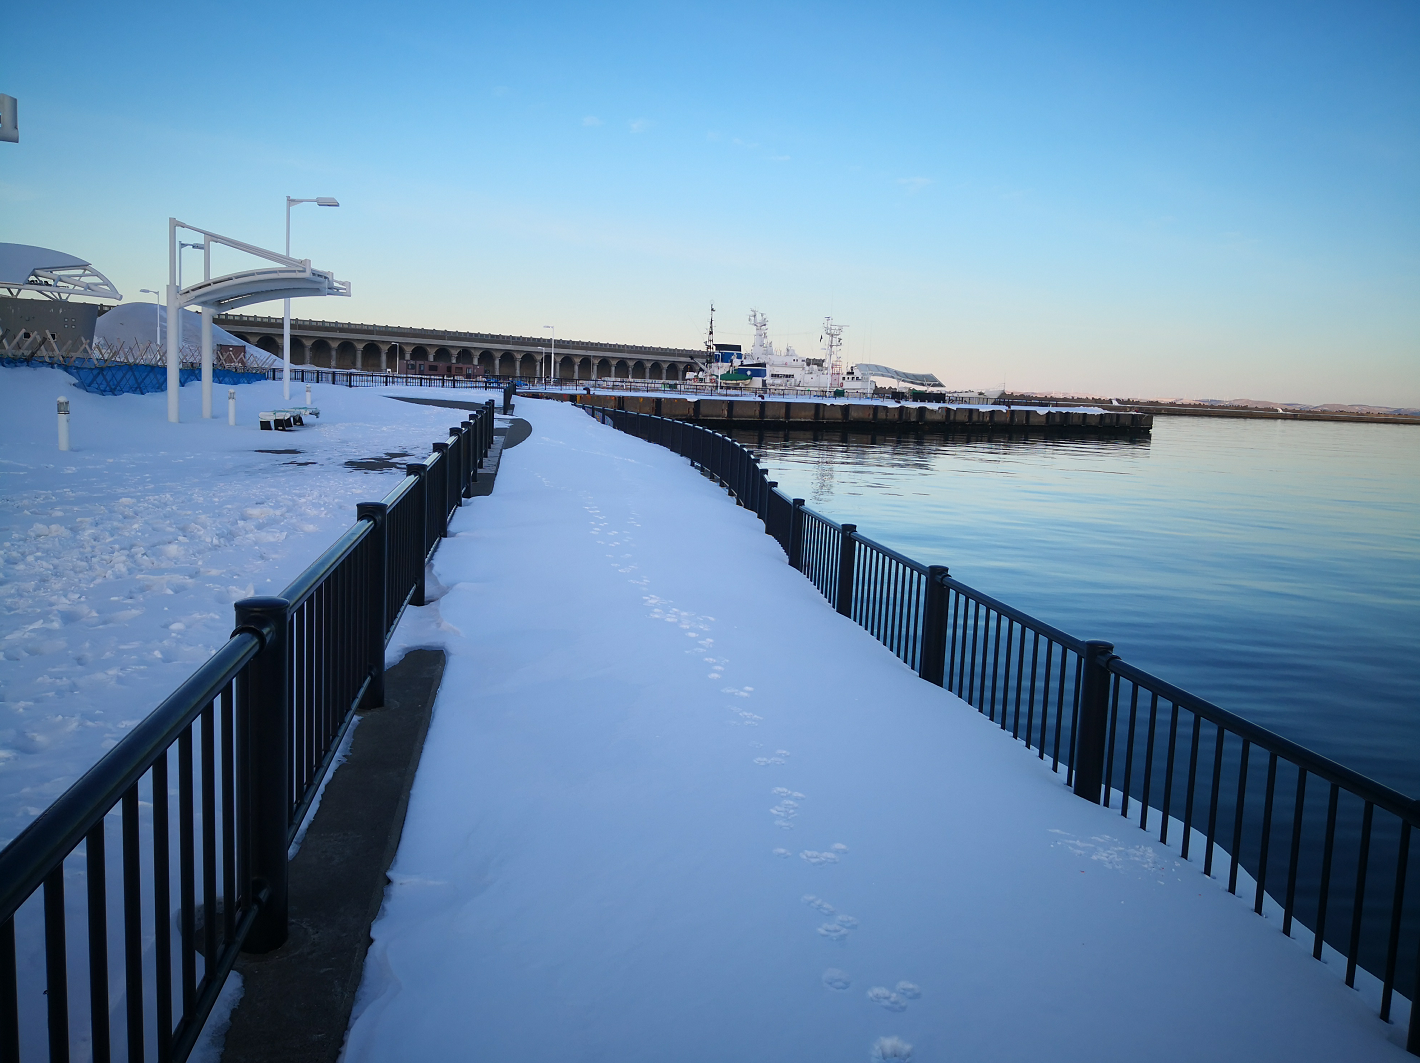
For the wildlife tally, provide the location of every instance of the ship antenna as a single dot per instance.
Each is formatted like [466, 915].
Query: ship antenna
[710, 341]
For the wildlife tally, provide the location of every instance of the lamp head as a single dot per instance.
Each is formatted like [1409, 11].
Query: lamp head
[327, 201]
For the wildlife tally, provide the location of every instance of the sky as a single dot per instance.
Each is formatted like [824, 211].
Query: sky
[1134, 199]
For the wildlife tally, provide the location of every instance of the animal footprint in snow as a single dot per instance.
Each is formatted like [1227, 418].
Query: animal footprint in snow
[782, 853]
[768, 760]
[737, 693]
[833, 931]
[818, 904]
[814, 857]
[890, 1050]
[908, 990]
[886, 998]
[833, 978]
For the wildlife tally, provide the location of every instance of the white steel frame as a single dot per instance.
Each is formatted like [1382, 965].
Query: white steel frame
[287, 278]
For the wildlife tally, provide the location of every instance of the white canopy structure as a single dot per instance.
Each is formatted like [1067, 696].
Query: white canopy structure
[923, 379]
[52, 274]
[286, 278]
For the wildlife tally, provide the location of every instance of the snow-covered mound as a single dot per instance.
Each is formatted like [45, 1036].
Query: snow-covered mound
[146, 323]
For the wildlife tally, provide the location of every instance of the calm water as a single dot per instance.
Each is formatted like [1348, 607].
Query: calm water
[1270, 566]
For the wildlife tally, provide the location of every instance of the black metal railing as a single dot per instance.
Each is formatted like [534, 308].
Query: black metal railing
[199, 803]
[1230, 793]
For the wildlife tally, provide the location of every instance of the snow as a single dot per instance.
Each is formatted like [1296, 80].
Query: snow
[672, 806]
[120, 560]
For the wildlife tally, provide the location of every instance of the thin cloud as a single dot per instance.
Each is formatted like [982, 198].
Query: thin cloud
[779, 158]
[640, 125]
[501, 90]
[591, 119]
[914, 184]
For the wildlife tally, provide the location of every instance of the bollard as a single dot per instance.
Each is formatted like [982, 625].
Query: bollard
[308, 394]
[1094, 720]
[933, 666]
[847, 554]
[376, 513]
[63, 424]
[232, 406]
[264, 770]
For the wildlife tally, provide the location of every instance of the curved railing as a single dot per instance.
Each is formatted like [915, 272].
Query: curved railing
[1171, 761]
[240, 748]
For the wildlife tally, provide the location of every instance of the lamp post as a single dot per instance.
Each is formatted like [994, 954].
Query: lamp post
[181, 248]
[320, 201]
[552, 358]
[157, 316]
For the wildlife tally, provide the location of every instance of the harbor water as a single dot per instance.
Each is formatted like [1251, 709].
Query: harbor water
[1272, 567]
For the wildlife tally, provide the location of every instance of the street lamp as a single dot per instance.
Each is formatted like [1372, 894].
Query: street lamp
[181, 248]
[320, 201]
[552, 359]
[157, 317]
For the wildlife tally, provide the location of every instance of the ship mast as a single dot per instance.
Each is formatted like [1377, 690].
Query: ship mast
[832, 340]
[710, 353]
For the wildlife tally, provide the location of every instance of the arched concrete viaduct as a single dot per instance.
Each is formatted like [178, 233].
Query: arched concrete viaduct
[380, 348]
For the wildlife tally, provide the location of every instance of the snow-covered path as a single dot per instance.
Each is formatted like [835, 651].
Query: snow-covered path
[672, 806]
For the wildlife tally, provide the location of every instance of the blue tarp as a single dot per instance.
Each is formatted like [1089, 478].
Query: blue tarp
[124, 379]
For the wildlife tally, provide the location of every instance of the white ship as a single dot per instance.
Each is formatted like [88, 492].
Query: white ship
[764, 367]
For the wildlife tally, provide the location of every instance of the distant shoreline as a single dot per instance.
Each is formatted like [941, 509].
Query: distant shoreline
[1168, 409]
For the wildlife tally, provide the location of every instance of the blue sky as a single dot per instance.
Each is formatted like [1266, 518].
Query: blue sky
[1136, 199]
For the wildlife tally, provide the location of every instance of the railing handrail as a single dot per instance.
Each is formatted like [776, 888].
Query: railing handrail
[56, 831]
[902, 559]
[1070, 642]
[304, 585]
[1363, 786]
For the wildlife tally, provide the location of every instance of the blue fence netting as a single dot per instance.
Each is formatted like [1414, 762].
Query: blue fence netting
[123, 378]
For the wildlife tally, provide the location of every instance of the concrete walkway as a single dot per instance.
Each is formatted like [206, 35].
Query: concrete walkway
[672, 806]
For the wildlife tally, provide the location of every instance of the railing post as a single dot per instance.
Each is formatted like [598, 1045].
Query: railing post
[377, 513]
[265, 785]
[846, 554]
[1412, 1039]
[471, 460]
[488, 428]
[421, 526]
[796, 535]
[934, 627]
[443, 490]
[1093, 720]
[459, 467]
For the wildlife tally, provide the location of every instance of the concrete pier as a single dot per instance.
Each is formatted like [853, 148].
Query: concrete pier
[869, 416]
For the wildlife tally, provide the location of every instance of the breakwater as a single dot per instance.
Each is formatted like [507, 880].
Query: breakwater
[897, 416]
